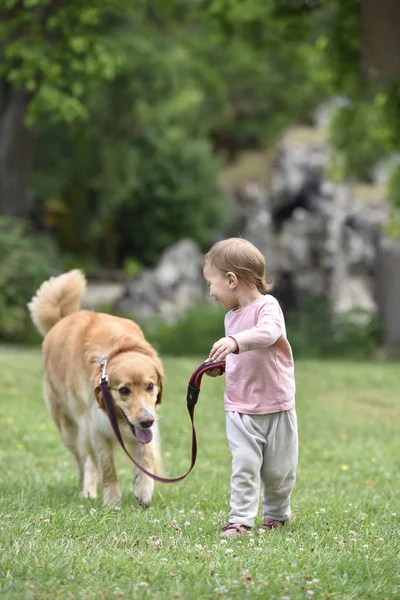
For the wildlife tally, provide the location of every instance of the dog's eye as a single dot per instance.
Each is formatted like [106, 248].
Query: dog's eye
[124, 391]
[150, 387]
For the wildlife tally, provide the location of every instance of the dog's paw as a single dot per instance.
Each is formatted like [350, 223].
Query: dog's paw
[89, 493]
[144, 502]
[112, 495]
[143, 491]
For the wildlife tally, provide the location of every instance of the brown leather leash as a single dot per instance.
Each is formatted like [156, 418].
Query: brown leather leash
[191, 400]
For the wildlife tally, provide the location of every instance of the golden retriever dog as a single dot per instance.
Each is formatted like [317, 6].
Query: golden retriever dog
[75, 342]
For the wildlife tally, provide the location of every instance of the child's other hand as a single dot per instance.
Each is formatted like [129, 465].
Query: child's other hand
[214, 372]
[222, 348]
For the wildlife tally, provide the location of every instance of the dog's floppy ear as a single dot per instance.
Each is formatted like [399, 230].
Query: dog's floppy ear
[99, 397]
[160, 377]
[95, 377]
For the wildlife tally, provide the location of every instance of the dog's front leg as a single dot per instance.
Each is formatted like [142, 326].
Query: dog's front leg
[89, 480]
[144, 485]
[105, 455]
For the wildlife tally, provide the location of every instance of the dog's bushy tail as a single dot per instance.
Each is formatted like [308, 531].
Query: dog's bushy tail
[57, 298]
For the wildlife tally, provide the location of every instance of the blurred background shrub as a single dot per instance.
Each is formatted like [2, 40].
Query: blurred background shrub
[26, 260]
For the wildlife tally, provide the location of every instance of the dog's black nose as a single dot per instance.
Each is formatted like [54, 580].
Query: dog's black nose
[146, 422]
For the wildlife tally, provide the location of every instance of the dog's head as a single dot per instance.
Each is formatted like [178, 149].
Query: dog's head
[135, 381]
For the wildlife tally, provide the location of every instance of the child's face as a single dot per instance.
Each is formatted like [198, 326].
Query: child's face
[221, 288]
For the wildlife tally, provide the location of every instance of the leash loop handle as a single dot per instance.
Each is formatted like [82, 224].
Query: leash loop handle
[191, 401]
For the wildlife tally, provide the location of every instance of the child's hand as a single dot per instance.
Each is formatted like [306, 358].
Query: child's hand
[214, 372]
[222, 348]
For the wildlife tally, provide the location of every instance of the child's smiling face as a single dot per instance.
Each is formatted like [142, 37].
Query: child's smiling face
[222, 286]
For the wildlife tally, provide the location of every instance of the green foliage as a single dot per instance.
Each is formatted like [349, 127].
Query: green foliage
[361, 134]
[141, 174]
[26, 260]
[263, 77]
[366, 130]
[153, 83]
[192, 335]
[315, 333]
[110, 80]
[132, 267]
[394, 188]
[151, 191]
[392, 228]
[337, 27]
[173, 196]
[55, 51]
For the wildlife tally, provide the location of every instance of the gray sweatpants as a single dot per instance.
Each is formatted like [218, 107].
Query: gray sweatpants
[264, 449]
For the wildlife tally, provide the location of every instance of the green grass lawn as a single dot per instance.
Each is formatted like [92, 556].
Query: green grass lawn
[343, 541]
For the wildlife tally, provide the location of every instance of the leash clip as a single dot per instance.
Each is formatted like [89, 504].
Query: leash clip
[104, 376]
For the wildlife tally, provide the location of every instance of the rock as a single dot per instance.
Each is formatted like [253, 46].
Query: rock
[252, 204]
[328, 239]
[171, 288]
[383, 170]
[101, 294]
[301, 160]
[325, 112]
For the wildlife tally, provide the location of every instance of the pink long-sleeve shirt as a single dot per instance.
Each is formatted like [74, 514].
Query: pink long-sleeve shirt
[260, 377]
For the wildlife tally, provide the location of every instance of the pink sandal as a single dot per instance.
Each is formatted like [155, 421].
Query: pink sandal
[234, 529]
[269, 524]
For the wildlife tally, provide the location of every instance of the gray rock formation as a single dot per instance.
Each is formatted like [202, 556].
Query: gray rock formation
[171, 288]
[329, 236]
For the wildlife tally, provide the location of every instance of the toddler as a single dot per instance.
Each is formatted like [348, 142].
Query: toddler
[259, 399]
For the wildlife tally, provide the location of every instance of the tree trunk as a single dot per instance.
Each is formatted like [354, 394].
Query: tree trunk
[16, 151]
[380, 39]
[388, 294]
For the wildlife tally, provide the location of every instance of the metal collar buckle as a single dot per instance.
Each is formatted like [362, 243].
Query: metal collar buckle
[104, 376]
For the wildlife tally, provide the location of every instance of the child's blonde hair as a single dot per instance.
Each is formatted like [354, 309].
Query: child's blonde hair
[243, 259]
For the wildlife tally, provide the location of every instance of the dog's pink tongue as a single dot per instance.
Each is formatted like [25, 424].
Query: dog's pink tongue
[144, 436]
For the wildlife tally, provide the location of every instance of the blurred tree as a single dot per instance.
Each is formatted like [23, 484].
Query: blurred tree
[380, 40]
[26, 260]
[50, 53]
[256, 63]
[104, 80]
[366, 129]
[183, 83]
[90, 179]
